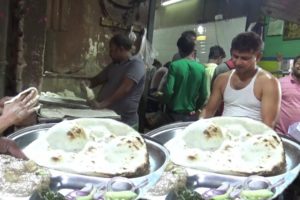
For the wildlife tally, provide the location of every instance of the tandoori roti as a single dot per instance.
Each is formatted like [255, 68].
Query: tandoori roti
[91, 146]
[229, 145]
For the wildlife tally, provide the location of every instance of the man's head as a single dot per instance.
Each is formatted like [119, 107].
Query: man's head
[246, 50]
[119, 47]
[296, 68]
[156, 63]
[216, 54]
[190, 34]
[186, 46]
[167, 64]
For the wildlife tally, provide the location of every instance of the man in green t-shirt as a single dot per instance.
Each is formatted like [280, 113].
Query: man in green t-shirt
[185, 91]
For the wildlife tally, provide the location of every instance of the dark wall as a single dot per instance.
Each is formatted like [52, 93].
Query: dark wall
[68, 38]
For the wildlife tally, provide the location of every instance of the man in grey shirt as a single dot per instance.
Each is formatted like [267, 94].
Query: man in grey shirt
[123, 81]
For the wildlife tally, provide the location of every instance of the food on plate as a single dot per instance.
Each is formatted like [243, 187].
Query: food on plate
[256, 194]
[253, 188]
[229, 145]
[186, 194]
[20, 178]
[102, 191]
[62, 95]
[121, 195]
[174, 177]
[91, 146]
[48, 194]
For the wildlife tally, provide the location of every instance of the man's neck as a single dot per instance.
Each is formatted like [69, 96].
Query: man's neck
[248, 75]
[191, 57]
[125, 57]
[212, 61]
[296, 78]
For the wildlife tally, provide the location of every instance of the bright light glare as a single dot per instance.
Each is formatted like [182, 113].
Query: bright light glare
[200, 29]
[170, 2]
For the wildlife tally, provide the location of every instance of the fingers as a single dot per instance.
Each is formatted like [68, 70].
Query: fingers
[24, 96]
[29, 103]
[34, 109]
[16, 152]
[10, 147]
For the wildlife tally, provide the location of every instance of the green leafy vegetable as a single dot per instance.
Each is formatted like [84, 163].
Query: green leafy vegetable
[47, 194]
[187, 194]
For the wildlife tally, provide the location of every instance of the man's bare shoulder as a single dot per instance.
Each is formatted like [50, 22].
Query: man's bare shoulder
[221, 80]
[223, 77]
[265, 78]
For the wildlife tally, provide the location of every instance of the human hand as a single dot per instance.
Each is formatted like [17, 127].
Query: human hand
[8, 146]
[97, 105]
[2, 100]
[20, 107]
[88, 93]
[84, 84]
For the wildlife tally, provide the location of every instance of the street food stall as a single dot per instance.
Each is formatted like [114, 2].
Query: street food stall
[175, 159]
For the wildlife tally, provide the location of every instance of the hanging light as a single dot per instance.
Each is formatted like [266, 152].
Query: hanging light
[168, 2]
[200, 29]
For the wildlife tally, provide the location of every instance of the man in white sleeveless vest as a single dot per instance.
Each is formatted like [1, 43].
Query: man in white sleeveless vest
[247, 91]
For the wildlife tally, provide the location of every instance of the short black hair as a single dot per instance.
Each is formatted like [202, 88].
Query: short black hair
[121, 40]
[247, 42]
[295, 59]
[216, 52]
[156, 63]
[189, 33]
[186, 46]
[167, 64]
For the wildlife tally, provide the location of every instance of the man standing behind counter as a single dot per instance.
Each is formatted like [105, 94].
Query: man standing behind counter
[247, 91]
[123, 81]
[185, 90]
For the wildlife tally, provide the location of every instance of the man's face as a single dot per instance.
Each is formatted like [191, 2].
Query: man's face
[296, 69]
[244, 61]
[114, 52]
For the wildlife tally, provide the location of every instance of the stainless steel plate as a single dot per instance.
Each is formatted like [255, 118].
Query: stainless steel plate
[199, 178]
[158, 157]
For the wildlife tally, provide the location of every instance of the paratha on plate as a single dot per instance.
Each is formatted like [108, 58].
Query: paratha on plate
[91, 146]
[229, 145]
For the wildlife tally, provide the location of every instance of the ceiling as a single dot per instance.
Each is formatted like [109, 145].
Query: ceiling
[282, 9]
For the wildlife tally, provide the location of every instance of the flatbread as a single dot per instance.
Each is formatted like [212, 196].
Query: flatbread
[229, 145]
[24, 93]
[91, 146]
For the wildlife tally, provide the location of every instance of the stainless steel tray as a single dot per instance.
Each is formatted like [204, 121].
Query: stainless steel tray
[158, 157]
[202, 179]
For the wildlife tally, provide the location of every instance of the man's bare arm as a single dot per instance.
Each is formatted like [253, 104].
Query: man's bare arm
[215, 98]
[270, 101]
[121, 92]
[99, 79]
